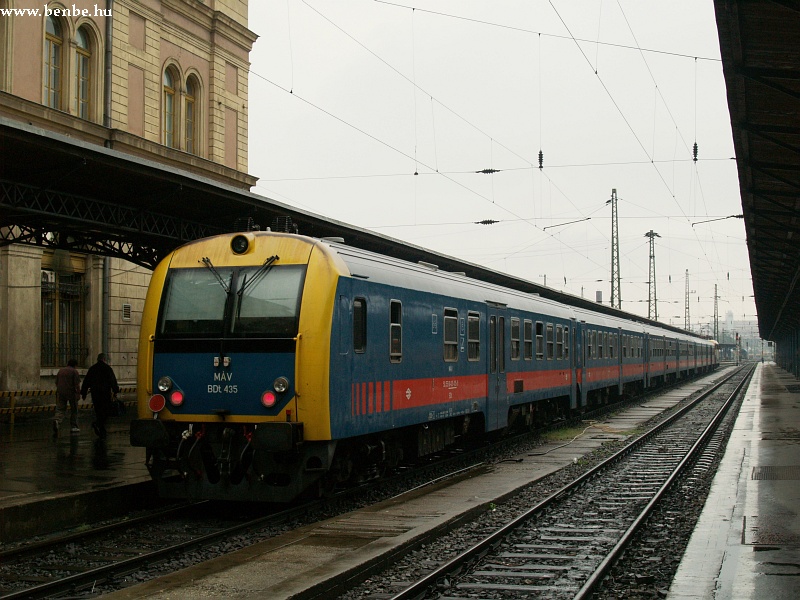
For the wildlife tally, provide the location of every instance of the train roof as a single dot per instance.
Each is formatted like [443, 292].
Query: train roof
[384, 245]
[423, 276]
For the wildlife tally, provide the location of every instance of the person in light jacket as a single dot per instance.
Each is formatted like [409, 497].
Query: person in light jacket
[68, 390]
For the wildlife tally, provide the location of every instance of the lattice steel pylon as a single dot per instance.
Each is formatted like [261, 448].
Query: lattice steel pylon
[616, 296]
[687, 324]
[652, 302]
[716, 315]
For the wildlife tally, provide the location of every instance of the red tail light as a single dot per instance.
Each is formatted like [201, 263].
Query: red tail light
[157, 403]
[268, 399]
[176, 398]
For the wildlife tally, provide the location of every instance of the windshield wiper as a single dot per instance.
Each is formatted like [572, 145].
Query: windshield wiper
[207, 262]
[258, 275]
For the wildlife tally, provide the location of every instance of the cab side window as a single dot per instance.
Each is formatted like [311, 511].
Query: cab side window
[359, 325]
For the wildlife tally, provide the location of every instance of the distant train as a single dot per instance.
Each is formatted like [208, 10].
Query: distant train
[274, 365]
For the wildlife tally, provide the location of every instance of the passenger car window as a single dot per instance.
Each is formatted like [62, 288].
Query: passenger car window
[559, 342]
[515, 338]
[395, 331]
[539, 340]
[473, 336]
[450, 334]
[528, 339]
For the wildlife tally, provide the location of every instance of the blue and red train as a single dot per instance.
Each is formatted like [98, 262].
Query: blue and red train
[274, 365]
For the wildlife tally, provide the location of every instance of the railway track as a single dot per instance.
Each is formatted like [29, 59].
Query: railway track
[103, 559]
[129, 551]
[563, 546]
[83, 561]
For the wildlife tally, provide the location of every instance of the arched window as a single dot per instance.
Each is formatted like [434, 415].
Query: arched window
[170, 112]
[190, 116]
[53, 42]
[83, 73]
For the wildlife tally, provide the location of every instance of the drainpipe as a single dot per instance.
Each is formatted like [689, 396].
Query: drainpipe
[108, 63]
[107, 123]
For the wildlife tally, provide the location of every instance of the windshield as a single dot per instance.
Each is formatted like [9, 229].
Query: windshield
[268, 303]
[194, 303]
[265, 304]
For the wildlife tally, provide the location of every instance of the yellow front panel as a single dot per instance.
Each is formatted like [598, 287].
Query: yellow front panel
[144, 372]
[311, 403]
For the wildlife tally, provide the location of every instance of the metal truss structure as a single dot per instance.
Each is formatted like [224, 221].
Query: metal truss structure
[60, 220]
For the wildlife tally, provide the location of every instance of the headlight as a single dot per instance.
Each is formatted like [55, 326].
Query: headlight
[164, 384]
[239, 244]
[280, 385]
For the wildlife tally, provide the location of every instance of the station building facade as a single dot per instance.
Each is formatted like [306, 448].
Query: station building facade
[165, 80]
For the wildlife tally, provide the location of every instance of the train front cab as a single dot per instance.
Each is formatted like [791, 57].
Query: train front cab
[252, 421]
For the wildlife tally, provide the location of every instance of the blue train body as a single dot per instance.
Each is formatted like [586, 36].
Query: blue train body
[275, 364]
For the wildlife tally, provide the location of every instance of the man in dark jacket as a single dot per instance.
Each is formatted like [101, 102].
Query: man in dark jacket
[102, 382]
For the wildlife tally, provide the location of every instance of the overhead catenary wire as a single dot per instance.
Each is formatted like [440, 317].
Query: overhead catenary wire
[506, 169]
[571, 36]
[552, 35]
[694, 148]
[389, 145]
[493, 140]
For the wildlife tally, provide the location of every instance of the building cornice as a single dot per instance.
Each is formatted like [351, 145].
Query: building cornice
[215, 21]
[38, 115]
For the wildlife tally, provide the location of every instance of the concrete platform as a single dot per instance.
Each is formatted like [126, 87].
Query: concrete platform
[47, 484]
[747, 543]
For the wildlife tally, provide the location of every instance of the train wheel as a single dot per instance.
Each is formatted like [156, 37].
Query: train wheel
[342, 468]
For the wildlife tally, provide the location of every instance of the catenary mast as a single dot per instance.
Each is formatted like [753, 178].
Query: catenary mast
[652, 306]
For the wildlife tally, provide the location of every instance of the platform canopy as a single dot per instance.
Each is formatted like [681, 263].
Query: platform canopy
[760, 46]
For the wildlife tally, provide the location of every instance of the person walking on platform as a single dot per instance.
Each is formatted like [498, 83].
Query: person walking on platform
[102, 383]
[68, 389]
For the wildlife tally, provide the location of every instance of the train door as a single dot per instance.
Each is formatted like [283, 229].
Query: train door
[574, 361]
[497, 409]
[581, 366]
[618, 356]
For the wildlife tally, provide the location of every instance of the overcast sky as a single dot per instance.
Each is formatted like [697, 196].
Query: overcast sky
[379, 114]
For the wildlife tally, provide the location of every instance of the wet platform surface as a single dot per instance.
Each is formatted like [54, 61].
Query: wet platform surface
[746, 545]
[76, 471]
